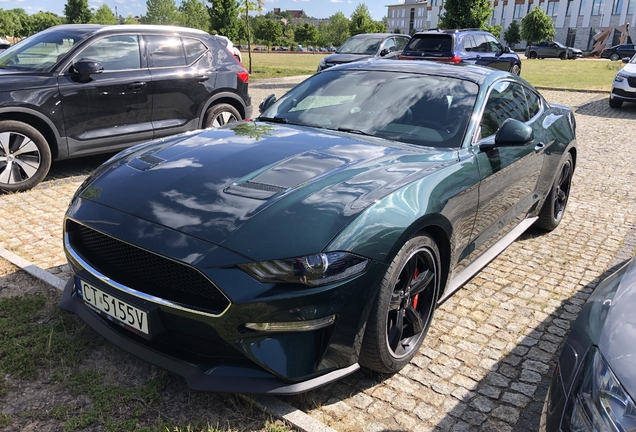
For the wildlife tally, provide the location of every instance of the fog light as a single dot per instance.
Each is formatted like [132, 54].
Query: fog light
[293, 325]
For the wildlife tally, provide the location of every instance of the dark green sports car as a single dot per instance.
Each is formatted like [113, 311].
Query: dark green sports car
[279, 254]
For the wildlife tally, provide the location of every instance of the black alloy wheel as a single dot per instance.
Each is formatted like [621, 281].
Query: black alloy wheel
[563, 56]
[404, 307]
[25, 157]
[220, 115]
[554, 207]
[532, 55]
[614, 57]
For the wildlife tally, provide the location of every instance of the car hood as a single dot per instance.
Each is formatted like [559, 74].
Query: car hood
[256, 184]
[346, 58]
[11, 80]
[617, 340]
[629, 68]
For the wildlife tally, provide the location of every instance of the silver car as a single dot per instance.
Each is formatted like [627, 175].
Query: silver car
[624, 84]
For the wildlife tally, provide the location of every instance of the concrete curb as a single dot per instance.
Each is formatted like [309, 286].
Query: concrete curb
[268, 404]
[571, 90]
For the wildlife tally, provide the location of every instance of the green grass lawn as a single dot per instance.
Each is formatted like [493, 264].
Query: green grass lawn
[570, 74]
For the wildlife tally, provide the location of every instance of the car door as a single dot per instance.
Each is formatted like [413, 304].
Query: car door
[509, 175]
[181, 81]
[113, 108]
[625, 51]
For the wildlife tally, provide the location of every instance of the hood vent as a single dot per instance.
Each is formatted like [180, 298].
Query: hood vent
[262, 187]
[256, 190]
[145, 162]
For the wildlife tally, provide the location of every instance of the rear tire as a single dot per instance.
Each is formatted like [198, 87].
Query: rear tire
[614, 57]
[563, 56]
[25, 156]
[516, 69]
[532, 55]
[615, 103]
[553, 208]
[220, 115]
[404, 306]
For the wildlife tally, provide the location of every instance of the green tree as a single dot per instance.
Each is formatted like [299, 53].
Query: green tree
[495, 30]
[338, 29]
[194, 14]
[465, 14]
[361, 22]
[268, 31]
[77, 12]
[306, 34]
[224, 18]
[537, 26]
[244, 9]
[43, 20]
[130, 20]
[9, 23]
[25, 23]
[104, 15]
[512, 35]
[161, 12]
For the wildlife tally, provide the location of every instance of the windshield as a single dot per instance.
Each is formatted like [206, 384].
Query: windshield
[41, 51]
[410, 108]
[560, 45]
[360, 46]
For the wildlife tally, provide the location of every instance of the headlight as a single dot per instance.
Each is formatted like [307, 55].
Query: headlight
[620, 77]
[599, 402]
[313, 270]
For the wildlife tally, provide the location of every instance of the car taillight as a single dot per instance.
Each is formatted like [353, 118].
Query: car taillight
[402, 57]
[243, 76]
[456, 59]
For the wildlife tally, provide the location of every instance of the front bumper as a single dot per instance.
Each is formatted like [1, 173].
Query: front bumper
[222, 378]
[623, 91]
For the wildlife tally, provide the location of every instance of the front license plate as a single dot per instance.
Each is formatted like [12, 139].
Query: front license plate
[115, 308]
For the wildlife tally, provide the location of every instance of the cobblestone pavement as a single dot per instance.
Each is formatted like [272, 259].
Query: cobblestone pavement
[490, 351]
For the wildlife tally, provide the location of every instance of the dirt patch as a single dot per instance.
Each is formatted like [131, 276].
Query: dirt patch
[78, 381]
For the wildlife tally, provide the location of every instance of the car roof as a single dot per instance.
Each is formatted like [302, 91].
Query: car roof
[452, 31]
[476, 74]
[96, 28]
[383, 35]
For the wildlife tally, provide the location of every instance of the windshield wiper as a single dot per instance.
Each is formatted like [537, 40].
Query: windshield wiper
[353, 131]
[274, 119]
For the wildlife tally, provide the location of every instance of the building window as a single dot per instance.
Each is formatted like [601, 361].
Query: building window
[618, 7]
[590, 40]
[568, 10]
[630, 7]
[503, 14]
[597, 7]
[571, 37]
[582, 10]
[518, 13]
[553, 8]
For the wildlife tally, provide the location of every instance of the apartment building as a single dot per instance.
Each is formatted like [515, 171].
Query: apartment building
[576, 21]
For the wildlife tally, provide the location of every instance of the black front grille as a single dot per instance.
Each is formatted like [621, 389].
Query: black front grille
[624, 94]
[145, 271]
[631, 81]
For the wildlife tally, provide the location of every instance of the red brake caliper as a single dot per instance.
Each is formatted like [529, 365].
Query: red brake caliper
[417, 273]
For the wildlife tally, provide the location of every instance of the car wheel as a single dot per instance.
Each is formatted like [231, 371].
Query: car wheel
[532, 55]
[220, 115]
[554, 206]
[516, 69]
[25, 156]
[403, 308]
[614, 57]
[562, 56]
[615, 103]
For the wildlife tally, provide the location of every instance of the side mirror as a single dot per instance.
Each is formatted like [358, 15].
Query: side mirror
[86, 68]
[384, 52]
[511, 133]
[267, 102]
[626, 59]
[507, 49]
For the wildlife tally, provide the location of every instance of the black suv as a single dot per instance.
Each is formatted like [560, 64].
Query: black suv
[76, 90]
[471, 46]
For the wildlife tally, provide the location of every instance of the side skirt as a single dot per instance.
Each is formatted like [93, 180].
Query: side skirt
[467, 274]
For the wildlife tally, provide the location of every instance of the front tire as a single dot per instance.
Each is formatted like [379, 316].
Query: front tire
[563, 56]
[220, 115]
[553, 208]
[403, 309]
[615, 103]
[516, 69]
[532, 55]
[25, 156]
[614, 57]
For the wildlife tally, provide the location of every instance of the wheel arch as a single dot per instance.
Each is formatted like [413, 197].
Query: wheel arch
[39, 122]
[220, 98]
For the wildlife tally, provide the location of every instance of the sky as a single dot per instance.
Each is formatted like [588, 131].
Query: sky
[314, 8]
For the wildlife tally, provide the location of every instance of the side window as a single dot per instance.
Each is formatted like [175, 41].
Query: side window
[481, 44]
[389, 45]
[400, 43]
[166, 51]
[494, 44]
[114, 52]
[506, 100]
[193, 49]
[534, 102]
[469, 43]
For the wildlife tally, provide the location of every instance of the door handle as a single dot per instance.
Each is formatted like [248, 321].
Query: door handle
[137, 85]
[539, 147]
[202, 78]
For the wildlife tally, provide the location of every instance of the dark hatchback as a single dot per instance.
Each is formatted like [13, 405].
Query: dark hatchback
[366, 46]
[77, 90]
[466, 46]
[594, 383]
[618, 52]
[279, 254]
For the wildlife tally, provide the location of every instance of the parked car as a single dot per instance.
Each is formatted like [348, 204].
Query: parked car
[300, 48]
[594, 383]
[624, 84]
[77, 90]
[462, 47]
[279, 254]
[4, 44]
[231, 48]
[366, 46]
[618, 52]
[551, 49]
[260, 48]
